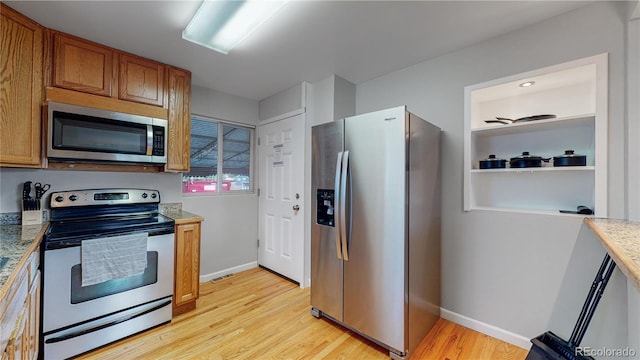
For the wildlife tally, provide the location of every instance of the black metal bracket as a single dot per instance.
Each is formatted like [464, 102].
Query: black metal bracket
[549, 346]
[593, 298]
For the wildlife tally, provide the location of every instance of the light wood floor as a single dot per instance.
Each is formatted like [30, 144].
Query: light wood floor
[258, 315]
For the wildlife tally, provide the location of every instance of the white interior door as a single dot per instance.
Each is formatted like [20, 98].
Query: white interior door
[281, 205]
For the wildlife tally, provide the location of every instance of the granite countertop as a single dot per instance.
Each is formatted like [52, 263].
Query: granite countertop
[180, 216]
[621, 239]
[17, 242]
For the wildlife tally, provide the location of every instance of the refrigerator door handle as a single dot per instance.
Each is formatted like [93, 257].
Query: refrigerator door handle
[343, 205]
[336, 204]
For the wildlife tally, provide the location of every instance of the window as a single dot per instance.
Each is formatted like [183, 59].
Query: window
[221, 157]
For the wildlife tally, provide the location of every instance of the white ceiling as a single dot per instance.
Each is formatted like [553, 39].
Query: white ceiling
[305, 41]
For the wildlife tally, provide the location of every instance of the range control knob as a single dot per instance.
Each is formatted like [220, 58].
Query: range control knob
[73, 197]
[154, 195]
[144, 195]
[59, 198]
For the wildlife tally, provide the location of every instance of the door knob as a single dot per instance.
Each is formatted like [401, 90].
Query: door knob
[296, 207]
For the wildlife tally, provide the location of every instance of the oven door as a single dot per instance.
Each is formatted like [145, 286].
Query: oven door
[66, 302]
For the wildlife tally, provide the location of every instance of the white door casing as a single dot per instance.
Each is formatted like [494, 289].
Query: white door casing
[281, 189]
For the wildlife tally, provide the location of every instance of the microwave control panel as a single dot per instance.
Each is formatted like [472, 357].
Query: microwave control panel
[158, 141]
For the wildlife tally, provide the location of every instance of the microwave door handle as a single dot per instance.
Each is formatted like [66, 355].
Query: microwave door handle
[149, 139]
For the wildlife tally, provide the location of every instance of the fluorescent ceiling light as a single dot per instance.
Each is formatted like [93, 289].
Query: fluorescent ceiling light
[222, 24]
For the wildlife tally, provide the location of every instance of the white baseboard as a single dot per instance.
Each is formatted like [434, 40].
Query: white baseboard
[232, 270]
[493, 331]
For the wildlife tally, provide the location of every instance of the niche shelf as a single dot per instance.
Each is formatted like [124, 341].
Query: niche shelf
[575, 93]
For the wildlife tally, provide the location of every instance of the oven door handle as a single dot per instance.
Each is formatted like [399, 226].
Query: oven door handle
[101, 326]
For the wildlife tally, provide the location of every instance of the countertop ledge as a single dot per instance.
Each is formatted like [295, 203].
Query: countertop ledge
[621, 239]
[181, 216]
[17, 242]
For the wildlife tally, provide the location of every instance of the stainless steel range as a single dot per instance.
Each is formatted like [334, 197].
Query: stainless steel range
[82, 311]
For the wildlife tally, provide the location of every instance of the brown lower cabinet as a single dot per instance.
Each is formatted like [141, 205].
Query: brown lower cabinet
[187, 265]
[20, 314]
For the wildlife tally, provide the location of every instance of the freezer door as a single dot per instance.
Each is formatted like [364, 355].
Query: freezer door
[375, 273]
[326, 263]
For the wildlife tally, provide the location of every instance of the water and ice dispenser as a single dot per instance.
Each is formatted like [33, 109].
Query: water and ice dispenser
[324, 211]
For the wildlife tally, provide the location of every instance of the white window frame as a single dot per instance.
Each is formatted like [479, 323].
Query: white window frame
[252, 153]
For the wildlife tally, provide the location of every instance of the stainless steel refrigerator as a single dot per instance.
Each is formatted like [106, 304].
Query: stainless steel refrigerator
[375, 237]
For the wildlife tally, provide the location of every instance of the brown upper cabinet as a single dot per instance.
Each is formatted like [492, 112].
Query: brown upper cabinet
[21, 61]
[82, 65]
[141, 80]
[179, 131]
[88, 67]
[39, 64]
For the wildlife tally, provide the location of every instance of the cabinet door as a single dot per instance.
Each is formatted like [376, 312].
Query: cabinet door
[187, 263]
[21, 95]
[33, 305]
[82, 65]
[17, 349]
[141, 80]
[179, 132]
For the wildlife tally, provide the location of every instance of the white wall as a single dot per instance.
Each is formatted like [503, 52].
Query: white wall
[223, 106]
[344, 103]
[322, 101]
[331, 98]
[633, 184]
[504, 269]
[633, 106]
[328, 99]
[281, 103]
[230, 227]
[12, 179]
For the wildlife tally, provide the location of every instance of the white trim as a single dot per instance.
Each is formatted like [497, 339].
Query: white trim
[594, 59]
[231, 270]
[303, 96]
[633, 116]
[601, 127]
[283, 116]
[224, 121]
[601, 186]
[488, 329]
[466, 173]
[633, 315]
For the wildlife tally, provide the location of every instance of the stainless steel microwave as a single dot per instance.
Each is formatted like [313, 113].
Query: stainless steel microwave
[82, 133]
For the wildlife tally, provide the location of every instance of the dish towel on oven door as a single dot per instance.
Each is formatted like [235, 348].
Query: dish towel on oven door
[113, 257]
